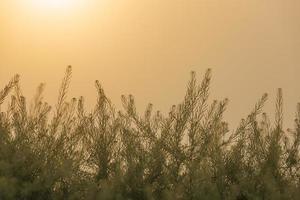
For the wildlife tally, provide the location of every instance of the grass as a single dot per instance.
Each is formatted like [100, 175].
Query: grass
[67, 152]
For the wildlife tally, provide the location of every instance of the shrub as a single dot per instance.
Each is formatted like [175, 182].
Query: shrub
[109, 154]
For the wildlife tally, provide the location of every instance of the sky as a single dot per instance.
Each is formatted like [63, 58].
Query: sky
[148, 48]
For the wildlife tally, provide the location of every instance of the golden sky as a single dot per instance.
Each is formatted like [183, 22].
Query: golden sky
[148, 47]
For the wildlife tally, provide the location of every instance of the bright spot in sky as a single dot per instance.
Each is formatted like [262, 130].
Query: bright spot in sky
[54, 5]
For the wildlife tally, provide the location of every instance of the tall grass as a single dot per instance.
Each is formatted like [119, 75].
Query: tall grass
[67, 152]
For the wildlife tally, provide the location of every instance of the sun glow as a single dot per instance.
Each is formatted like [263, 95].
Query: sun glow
[55, 5]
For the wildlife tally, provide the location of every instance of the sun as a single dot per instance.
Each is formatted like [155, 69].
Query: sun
[54, 4]
[53, 10]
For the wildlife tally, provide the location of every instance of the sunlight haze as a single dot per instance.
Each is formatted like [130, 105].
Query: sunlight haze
[148, 48]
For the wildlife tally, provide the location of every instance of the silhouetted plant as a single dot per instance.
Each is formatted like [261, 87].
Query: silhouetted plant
[73, 153]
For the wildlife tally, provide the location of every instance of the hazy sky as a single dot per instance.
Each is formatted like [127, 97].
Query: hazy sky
[148, 47]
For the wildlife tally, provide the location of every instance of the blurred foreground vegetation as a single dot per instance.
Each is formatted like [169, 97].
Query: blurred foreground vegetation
[67, 152]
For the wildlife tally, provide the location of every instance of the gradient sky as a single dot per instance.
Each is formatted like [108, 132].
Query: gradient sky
[148, 47]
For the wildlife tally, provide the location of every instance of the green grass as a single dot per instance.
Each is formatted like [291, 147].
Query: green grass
[67, 152]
